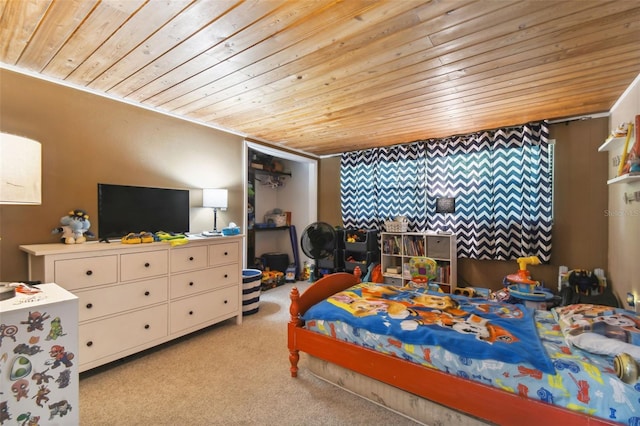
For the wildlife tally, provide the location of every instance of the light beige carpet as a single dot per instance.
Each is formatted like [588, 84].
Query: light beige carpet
[225, 375]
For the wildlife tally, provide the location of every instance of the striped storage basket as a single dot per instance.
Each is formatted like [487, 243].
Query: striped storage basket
[251, 282]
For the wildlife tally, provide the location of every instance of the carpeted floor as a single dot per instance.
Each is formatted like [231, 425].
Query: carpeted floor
[224, 375]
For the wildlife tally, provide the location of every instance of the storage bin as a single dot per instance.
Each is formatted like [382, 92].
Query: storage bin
[365, 240]
[276, 219]
[361, 259]
[396, 226]
[327, 263]
[438, 247]
[276, 261]
[251, 282]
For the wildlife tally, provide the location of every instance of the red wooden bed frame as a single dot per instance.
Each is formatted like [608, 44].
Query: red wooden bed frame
[472, 398]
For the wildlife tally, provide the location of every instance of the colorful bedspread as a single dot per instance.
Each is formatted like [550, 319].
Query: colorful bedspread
[461, 336]
[471, 328]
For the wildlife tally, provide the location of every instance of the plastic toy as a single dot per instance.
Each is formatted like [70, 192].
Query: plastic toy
[522, 279]
[142, 237]
[582, 281]
[75, 227]
[520, 287]
[171, 238]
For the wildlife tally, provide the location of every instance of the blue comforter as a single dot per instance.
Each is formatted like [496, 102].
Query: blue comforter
[470, 328]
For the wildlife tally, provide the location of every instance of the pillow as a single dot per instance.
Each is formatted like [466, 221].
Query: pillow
[601, 345]
[608, 330]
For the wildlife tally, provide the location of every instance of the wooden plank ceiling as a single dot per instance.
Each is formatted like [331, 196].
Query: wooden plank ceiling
[324, 76]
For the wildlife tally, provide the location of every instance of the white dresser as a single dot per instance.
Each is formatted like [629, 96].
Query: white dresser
[135, 296]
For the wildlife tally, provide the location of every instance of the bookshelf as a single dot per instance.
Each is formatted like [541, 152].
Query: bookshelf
[397, 248]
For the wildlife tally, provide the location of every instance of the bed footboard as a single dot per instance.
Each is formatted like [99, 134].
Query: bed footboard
[320, 290]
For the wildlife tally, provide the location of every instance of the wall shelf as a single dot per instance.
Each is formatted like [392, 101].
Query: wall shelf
[270, 228]
[629, 177]
[613, 144]
[269, 173]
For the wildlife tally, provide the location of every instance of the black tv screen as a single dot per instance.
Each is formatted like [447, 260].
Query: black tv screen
[123, 209]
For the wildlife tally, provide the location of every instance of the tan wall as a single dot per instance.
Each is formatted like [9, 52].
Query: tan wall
[580, 200]
[623, 218]
[329, 191]
[88, 139]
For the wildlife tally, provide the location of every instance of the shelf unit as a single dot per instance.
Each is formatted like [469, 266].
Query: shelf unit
[397, 248]
[616, 145]
[254, 174]
[362, 252]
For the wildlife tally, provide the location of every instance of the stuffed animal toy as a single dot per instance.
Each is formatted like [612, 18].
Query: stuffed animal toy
[75, 227]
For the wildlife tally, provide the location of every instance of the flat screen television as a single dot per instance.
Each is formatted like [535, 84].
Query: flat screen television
[123, 209]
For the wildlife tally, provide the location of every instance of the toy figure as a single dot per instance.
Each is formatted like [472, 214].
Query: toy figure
[60, 408]
[56, 329]
[35, 321]
[75, 227]
[20, 389]
[60, 356]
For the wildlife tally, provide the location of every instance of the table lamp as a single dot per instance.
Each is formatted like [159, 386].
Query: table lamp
[216, 199]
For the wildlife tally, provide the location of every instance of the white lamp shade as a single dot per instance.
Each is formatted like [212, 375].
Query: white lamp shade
[216, 198]
[20, 170]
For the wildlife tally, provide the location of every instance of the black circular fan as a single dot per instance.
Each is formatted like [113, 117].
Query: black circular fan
[318, 241]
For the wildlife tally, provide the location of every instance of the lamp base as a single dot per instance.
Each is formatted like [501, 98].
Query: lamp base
[211, 233]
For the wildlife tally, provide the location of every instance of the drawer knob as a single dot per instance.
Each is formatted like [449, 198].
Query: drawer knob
[146, 326]
[191, 258]
[89, 305]
[226, 301]
[191, 283]
[146, 293]
[89, 272]
[226, 253]
[146, 265]
[226, 275]
[89, 343]
[190, 312]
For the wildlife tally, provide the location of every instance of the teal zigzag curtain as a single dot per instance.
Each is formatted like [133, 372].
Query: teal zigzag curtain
[382, 183]
[501, 182]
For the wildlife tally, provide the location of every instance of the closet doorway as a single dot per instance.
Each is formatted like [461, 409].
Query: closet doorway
[277, 180]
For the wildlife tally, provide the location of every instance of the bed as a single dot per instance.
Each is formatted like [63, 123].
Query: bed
[522, 391]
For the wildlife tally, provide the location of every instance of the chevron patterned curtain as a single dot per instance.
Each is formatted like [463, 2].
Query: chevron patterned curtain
[501, 182]
[382, 183]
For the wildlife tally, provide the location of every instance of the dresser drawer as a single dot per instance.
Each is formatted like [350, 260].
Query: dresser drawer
[187, 313]
[203, 280]
[220, 254]
[110, 336]
[110, 300]
[225, 275]
[191, 283]
[86, 271]
[188, 258]
[135, 266]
